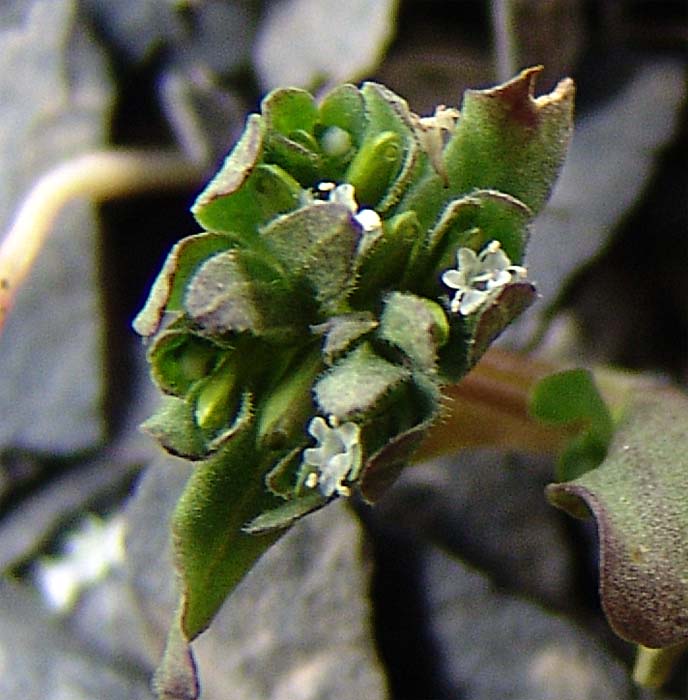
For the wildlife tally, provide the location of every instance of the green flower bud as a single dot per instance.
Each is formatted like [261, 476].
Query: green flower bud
[383, 262]
[179, 360]
[288, 406]
[335, 142]
[218, 398]
[374, 166]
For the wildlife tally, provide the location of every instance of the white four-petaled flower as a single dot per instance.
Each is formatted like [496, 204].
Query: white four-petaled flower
[336, 457]
[478, 276]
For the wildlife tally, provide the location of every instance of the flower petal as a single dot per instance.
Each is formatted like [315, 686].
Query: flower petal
[454, 279]
[471, 301]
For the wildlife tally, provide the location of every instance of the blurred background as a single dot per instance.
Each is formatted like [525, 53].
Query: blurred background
[462, 583]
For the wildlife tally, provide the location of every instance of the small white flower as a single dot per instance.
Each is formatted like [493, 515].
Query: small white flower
[368, 219]
[343, 194]
[477, 277]
[432, 132]
[336, 457]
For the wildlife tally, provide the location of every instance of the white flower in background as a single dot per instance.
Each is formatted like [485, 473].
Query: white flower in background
[88, 556]
[478, 276]
[336, 457]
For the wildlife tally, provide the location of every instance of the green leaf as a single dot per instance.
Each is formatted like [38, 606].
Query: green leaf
[473, 221]
[287, 514]
[341, 332]
[358, 383]
[343, 108]
[285, 413]
[638, 497]
[488, 324]
[170, 285]
[316, 244]
[213, 551]
[173, 425]
[282, 477]
[572, 397]
[383, 467]
[225, 205]
[339, 130]
[290, 116]
[505, 219]
[417, 326]
[290, 110]
[505, 140]
[236, 291]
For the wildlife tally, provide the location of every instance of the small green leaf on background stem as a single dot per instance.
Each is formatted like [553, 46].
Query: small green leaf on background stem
[571, 397]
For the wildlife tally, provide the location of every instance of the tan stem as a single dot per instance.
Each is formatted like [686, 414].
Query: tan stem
[99, 175]
[653, 667]
[489, 407]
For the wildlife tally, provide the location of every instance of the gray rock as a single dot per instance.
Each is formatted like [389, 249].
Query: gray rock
[296, 628]
[489, 508]
[40, 660]
[499, 647]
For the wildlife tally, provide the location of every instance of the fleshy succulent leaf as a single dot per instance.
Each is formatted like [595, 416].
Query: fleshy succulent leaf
[637, 496]
[417, 326]
[342, 332]
[510, 141]
[170, 286]
[213, 552]
[235, 291]
[286, 514]
[173, 426]
[225, 205]
[358, 383]
[316, 245]
[505, 140]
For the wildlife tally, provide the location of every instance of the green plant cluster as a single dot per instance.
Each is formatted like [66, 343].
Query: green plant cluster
[354, 259]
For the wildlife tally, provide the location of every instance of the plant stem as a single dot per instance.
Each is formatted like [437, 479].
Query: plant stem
[489, 407]
[654, 666]
[99, 175]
